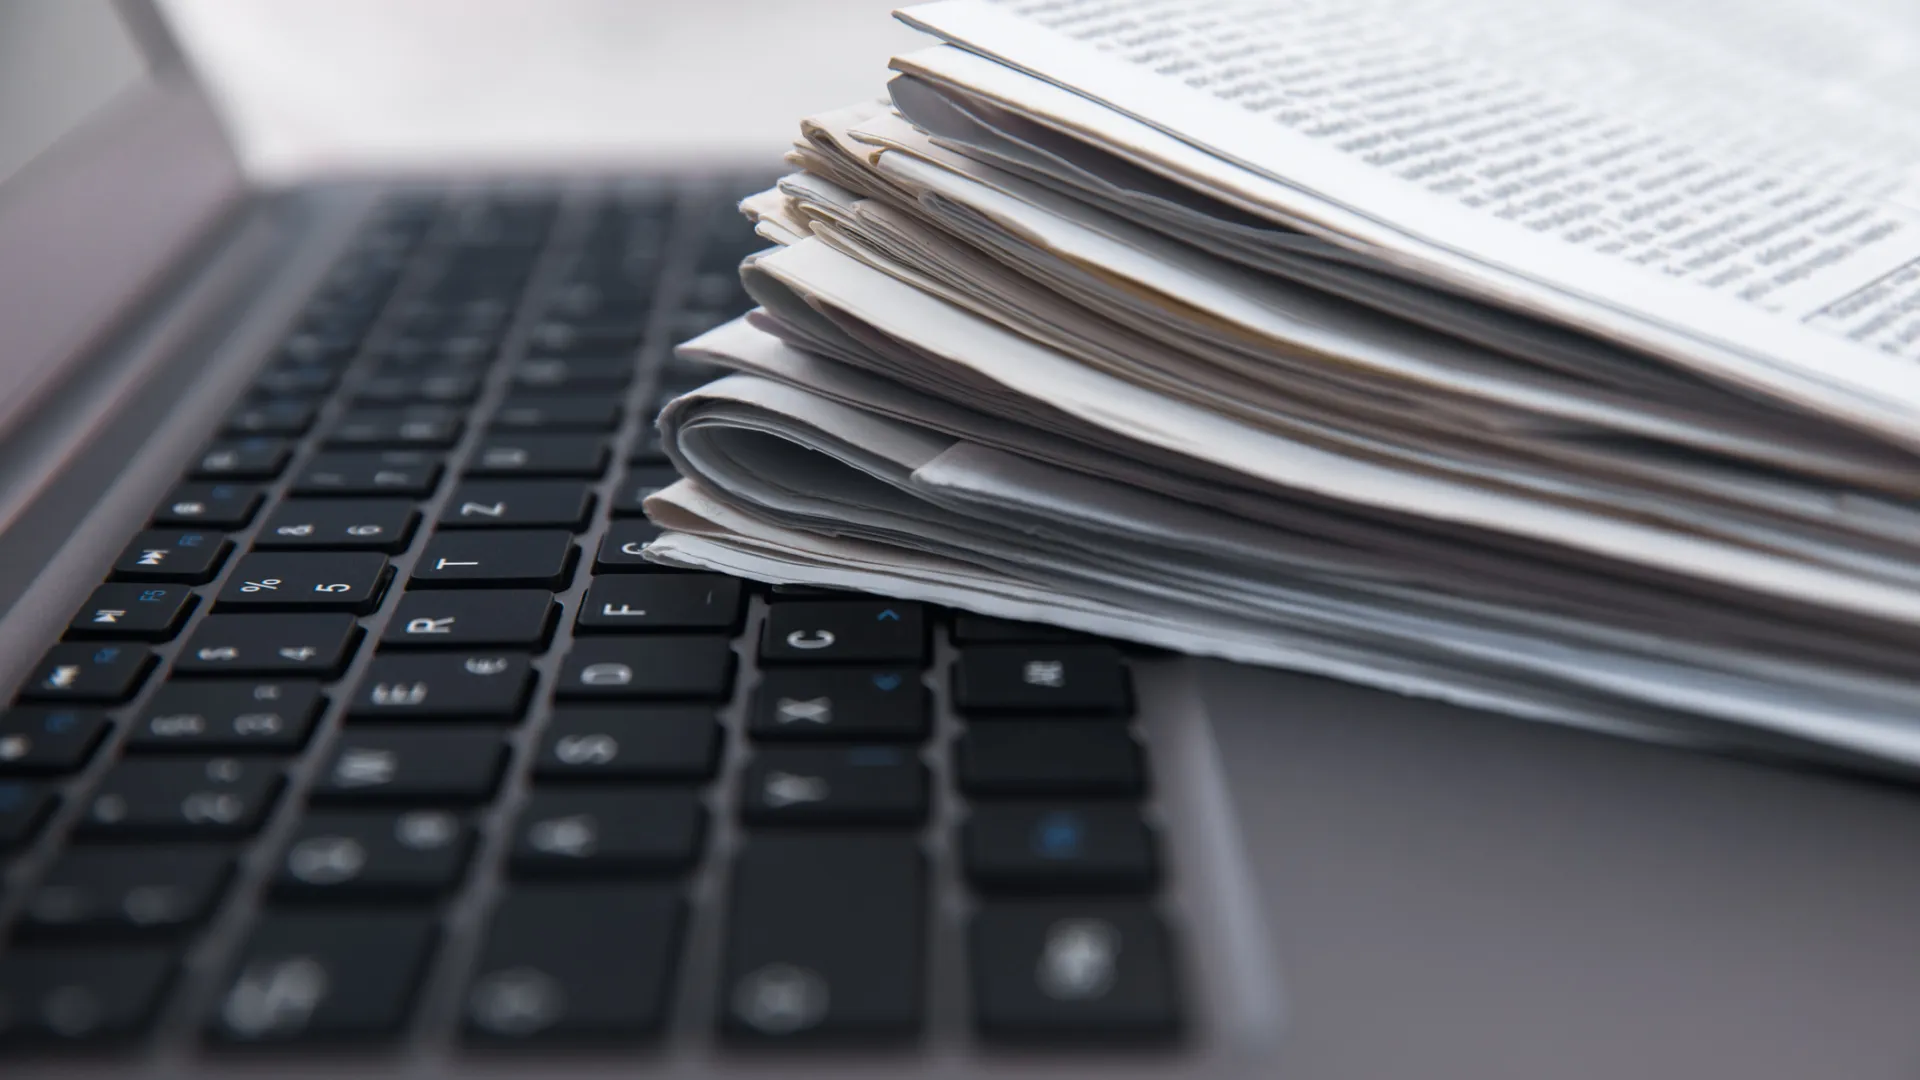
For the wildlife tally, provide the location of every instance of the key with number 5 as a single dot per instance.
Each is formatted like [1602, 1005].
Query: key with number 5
[317, 581]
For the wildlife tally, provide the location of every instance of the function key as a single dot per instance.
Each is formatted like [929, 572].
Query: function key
[313, 644]
[256, 458]
[697, 668]
[558, 414]
[630, 498]
[172, 555]
[314, 976]
[383, 525]
[23, 807]
[826, 936]
[1041, 678]
[391, 472]
[640, 742]
[608, 833]
[80, 996]
[77, 672]
[507, 558]
[855, 785]
[840, 703]
[1084, 970]
[971, 629]
[540, 455]
[316, 581]
[1058, 847]
[205, 799]
[419, 426]
[48, 741]
[567, 376]
[272, 416]
[577, 961]
[622, 549]
[203, 716]
[833, 632]
[212, 506]
[415, 855]
[1048, 757]
[431, 686]
[503, 618]
[636, 603]
[439, 388]
[449, 766]
[518, 504]
[143, 611]
[128, 890]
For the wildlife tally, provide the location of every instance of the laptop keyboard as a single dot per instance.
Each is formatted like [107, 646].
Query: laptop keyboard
[384, 698]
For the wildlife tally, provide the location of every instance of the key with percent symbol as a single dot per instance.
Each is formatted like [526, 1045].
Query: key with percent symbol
[307, 581]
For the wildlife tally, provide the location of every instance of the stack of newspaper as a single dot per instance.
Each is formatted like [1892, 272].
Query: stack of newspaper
[1550, 356]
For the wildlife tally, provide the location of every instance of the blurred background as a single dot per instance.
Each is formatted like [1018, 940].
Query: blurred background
[379, 85]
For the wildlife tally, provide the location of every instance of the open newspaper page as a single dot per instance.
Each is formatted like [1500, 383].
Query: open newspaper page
[1482, 144]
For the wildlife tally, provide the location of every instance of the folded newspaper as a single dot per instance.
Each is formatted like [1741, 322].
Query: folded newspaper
[1556, 357]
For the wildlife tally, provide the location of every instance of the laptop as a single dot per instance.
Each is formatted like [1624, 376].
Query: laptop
[348, 730]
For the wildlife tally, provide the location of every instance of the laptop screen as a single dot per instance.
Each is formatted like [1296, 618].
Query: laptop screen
[61, 61]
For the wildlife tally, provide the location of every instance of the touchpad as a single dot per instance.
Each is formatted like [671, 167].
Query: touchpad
[1454, 894]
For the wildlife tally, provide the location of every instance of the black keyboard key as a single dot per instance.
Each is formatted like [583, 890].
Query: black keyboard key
[592, 962]
[80, 996]
[177, 555]
[23, 807]
[971, 629]
[569, 340]
[203, 716]
[410, 473]
[648, 449]
[406, 765]
[317, 644]
[77, 672]
[199, 799]
[211, 506]
[570, 376]
[144, 611]
[296, 380]
[826, 936]
[558, 414]
[518, 504]
[418, 427]
[1050, 757]
[838, 632]
[306, 581]
[147, 890]
[642, 742]
[1041, 678]
[840, 703]
[415, 855]
[695, 668]
[854, 785]
[1058, 847]
[622, 549]
[258, 458]
[1099, 970]
[383, 525]
[628, 603]
[629, 499]
[585, 832]
[457, 686]
[273, 416]
[47, 742]
[582, 456]
[318, 976]
[439, 388]
[508, 558]
[502, 618]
